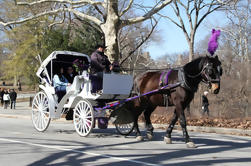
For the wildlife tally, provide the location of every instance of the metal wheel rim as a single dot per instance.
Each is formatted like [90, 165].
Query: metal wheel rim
[40, 112]
[83, 118]
[125, 129]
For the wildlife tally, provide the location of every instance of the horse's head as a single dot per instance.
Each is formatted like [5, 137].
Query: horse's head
[212, 72]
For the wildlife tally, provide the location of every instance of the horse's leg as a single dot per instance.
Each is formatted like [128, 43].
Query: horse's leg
[183, 124]
[136, 126]
[149, 126]
[169, 130]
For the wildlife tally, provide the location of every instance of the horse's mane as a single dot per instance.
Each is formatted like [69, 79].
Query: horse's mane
[197, 61]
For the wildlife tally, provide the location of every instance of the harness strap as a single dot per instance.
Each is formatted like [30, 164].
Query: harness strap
[163, 80]
[184, 83]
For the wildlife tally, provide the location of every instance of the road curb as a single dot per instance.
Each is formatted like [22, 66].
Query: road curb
[217, 130]
[15, 116]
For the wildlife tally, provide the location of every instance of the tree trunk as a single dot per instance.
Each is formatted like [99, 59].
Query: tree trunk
[111, 29]
[15, 81]
[191, 51]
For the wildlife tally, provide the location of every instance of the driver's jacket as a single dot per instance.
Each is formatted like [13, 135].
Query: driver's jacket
[99, 62]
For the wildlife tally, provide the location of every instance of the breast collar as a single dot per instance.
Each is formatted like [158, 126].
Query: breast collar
[184, 83]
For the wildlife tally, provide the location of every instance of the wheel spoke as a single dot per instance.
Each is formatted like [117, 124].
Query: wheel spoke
[35, 104]
[83, 118]
[86, 126]
[87, 120]
[36, 101]
[78, 112]
[81, 106]
[40, 111]
[88, 117]
[86, 107]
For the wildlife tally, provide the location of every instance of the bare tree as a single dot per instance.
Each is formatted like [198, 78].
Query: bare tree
[110, 19]
[238, 33]
[130, 42]
[195, 12]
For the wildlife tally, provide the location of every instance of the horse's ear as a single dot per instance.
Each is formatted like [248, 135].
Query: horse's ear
[216, 57]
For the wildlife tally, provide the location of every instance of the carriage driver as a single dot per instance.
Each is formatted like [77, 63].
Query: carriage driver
[99, 64]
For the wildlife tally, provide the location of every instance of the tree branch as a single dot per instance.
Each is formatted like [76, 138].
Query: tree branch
[146, 16]
[140, 44]
[127, 8]
[32, 17]
[178, 25]
[177, 12]
[76, 12]
[57, 22]
[79, 2]
[85, 16]
[100, 12]
[206, 14]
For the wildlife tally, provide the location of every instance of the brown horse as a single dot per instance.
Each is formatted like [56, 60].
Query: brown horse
[207, 69]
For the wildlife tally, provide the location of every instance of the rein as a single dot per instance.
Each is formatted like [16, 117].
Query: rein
[121, 102]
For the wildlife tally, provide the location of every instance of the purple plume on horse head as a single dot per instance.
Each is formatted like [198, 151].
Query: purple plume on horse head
[213, 44]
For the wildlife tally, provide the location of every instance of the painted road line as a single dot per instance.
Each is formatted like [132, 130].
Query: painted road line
[77, 151]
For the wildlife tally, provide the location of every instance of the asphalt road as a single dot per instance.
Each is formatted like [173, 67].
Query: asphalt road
[60, 145]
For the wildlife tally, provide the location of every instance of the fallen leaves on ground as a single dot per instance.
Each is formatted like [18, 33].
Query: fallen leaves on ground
[239, 123]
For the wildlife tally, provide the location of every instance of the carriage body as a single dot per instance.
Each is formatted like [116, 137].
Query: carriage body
[78, 97]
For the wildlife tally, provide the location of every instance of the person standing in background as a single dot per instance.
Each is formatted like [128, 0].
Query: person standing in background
[1, 95]
[13, 97]
[19, 85]
[205, 103]
[6, 99]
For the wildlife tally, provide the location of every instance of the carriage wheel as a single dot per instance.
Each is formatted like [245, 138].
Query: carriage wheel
[40, 112]
[125, 129]
[83, 118]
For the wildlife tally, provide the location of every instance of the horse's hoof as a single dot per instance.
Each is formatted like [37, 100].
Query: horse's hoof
[191, 145]
[139, 138]
[149, 136]
[167, 140]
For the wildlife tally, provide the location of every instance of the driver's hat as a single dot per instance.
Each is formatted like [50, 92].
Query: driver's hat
[100, 45]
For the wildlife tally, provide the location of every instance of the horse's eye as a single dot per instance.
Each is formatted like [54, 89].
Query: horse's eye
[209, 71]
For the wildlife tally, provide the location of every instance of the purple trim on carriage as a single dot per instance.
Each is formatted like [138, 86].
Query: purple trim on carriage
[166, 75]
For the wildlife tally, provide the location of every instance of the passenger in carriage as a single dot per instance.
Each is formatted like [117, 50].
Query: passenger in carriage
[99, 64]
[69, 74]
[60, 83]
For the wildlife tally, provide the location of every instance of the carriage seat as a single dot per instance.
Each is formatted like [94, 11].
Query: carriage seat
[76, 85]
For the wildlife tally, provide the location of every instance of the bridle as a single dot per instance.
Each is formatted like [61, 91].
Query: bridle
[205, 77]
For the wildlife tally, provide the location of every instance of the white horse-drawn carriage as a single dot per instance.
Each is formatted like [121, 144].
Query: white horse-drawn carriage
[78, 98]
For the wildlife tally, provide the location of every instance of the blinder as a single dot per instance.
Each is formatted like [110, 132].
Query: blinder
[210, 74]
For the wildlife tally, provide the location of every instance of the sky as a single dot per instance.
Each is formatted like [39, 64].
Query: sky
[173, 40]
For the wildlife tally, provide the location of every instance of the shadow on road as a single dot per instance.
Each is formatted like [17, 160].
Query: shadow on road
[179, 156]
